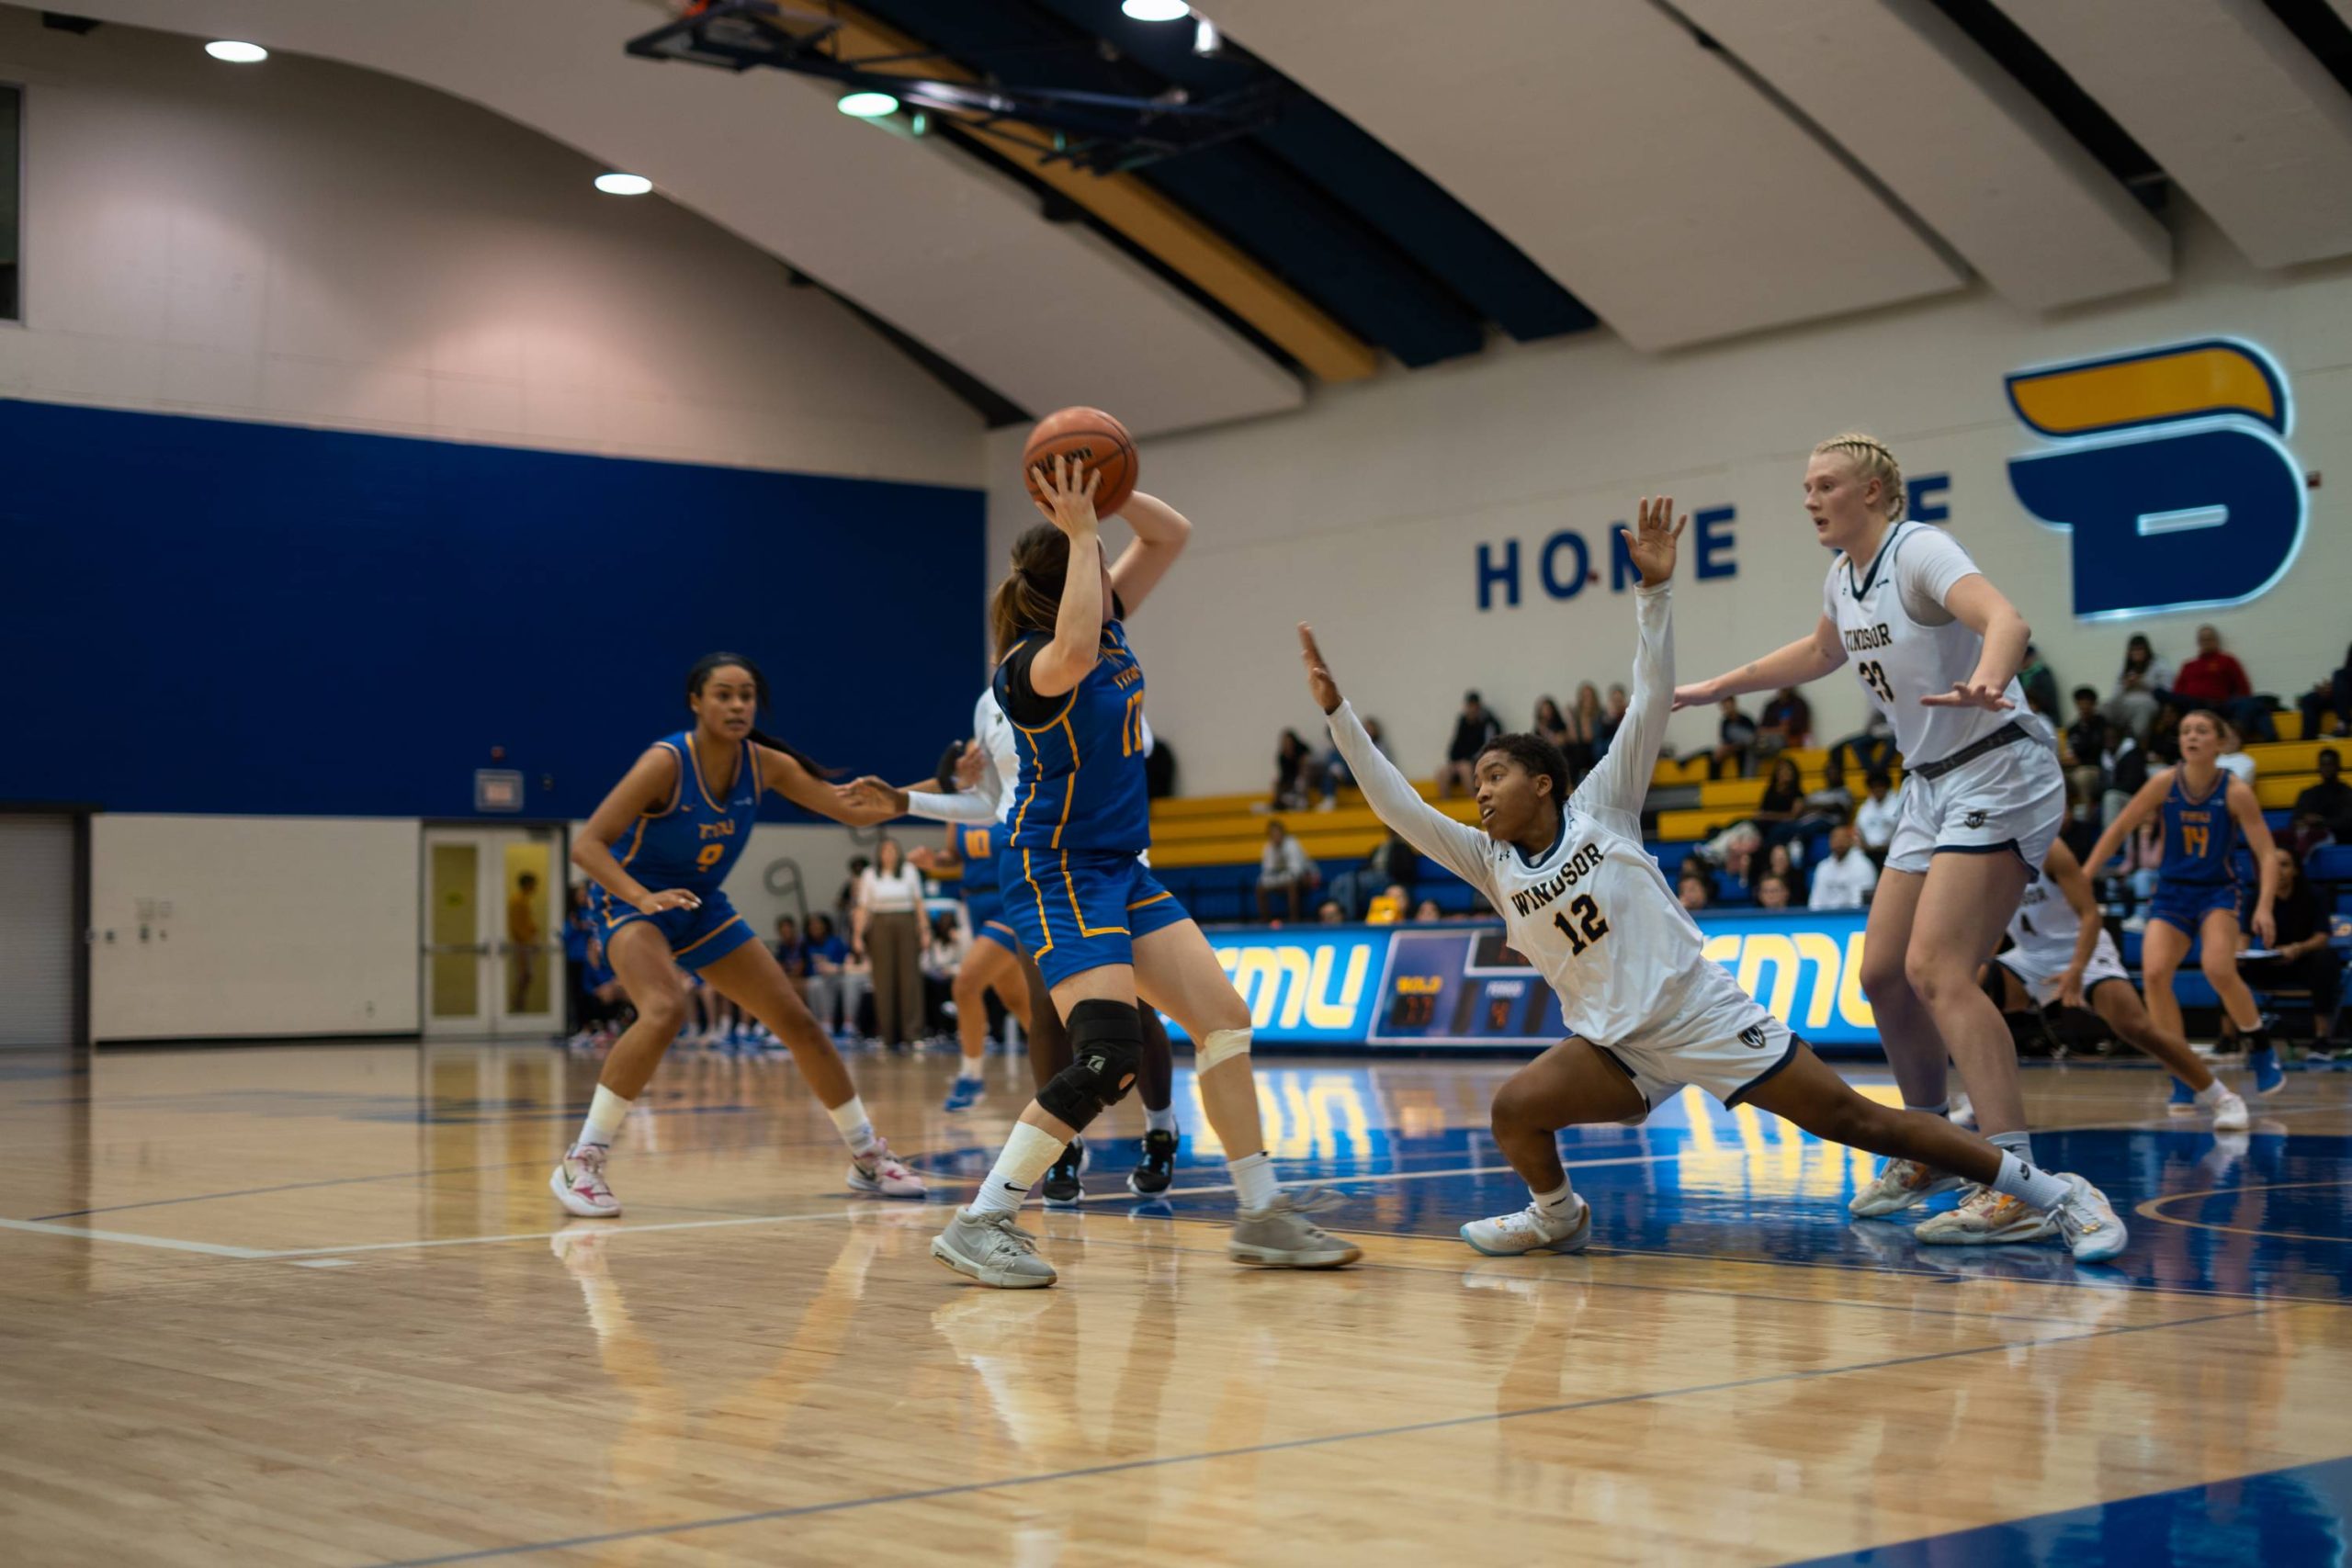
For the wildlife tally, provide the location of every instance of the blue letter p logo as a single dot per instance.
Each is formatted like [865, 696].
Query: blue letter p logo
[2171, 475]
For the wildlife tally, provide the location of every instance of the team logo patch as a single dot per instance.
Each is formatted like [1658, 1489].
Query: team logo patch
[1974, 819]
[1752, 1037]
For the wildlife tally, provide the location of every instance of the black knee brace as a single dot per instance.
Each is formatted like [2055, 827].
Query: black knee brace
[1106, 1046]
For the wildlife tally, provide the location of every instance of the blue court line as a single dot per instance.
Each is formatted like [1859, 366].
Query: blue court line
[2293, 1515]
[766, 1515]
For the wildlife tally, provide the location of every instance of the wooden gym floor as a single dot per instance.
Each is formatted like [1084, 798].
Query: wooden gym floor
[315, 1305]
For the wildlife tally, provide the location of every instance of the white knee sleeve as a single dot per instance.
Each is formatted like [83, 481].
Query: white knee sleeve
[1218, 1045]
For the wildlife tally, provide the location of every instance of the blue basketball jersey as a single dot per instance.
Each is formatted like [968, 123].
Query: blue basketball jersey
[2200, 835]
[976, 846]
[1080, 783]
[693, 842]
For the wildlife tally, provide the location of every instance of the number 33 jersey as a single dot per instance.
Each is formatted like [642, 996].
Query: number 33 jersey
[1596, 919]
[1904, 644]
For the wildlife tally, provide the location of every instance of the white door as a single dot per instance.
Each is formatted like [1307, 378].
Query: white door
[40, 933]
[491, 931]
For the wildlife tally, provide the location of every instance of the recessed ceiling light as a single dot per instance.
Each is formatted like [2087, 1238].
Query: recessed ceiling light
[868, 106]
[623, 185]
[1156, 10]
[237, 53]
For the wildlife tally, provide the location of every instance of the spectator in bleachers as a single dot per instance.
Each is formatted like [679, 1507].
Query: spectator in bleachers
[2323, 811]
[791, 952]
[2125, 764]
[1696, 866]
[1550, 723]
[1285, 873]
[1774, 892]
[1393, 863]
[1845, 878]
[1613, 719]
[1734, 740]
[942, 955]
[2331, 699]
[838, 979]
[1329, 913]
[1693, 891]
[1294, 773]
[1786, 721]
[1473, 727]
[2300, 956]
[1426, 912]
[2233, 759]
[2041, 685]
[1781, 860]
[1831, 804]
[2086, 745]
[1776, 815]
[1870, 748]
[1582, 747]
[2215, 679]
[2144, 676]
[1879, 811]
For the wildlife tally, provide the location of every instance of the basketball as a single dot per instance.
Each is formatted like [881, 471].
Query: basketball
[1095, 441]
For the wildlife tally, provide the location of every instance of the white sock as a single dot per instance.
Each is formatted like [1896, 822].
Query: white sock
[969, 1068]
[1254, 1186]
[1556, 1204]
[2031, 1183]
[1028, 1154]
[856, 1131]
[1161, 1121]
[2017, 1144]
[605, 1113]
[2212, 1093]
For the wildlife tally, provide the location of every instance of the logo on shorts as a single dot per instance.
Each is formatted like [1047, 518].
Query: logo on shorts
[1974, 819]
[1752, 1037]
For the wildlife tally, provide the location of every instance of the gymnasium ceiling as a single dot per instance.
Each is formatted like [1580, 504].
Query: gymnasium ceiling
[1440, 171]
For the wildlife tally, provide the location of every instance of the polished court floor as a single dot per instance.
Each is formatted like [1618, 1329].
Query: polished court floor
[315, 1306]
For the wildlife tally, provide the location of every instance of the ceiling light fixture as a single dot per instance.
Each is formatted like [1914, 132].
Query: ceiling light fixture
[867, 106]
[623, 185]
[237, 53]
[1156, 10]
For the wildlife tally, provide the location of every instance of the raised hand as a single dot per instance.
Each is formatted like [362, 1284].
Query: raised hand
[1651, 541]
[970, 764]
[1325, 690]
[1068, 504]
[1969, 694]
[923, 857]
[1698, 694]
[865, 801]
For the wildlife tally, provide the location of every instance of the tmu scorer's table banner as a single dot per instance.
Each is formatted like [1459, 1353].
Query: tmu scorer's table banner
[1458, 985]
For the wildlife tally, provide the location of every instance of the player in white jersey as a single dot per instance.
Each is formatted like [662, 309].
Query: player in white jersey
[1936, 647]
[2060, 952]
[1586, 904]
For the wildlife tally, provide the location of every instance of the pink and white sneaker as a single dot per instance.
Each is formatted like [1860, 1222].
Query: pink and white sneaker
[879, 1171]
[579, 1183]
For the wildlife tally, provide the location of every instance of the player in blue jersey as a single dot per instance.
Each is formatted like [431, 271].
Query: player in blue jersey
[658, 849]
[994, 961]
[2206, 812]
[1101, 928]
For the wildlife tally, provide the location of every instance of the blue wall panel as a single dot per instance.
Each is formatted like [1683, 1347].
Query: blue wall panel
[214, 617]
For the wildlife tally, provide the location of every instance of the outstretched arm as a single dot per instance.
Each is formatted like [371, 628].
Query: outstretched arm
[2066, 874]
[2134, 812]
[1619, 786]
[1457, 846]
[2247, 809]
[1062, 663]
[844, 802]
[1807, 659]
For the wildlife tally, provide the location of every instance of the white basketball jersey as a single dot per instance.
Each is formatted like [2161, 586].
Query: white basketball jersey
[2045, 926]
[995, 733]
[1597, 920]
[1903, 644]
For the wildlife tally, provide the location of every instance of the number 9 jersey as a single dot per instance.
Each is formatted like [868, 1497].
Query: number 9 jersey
[690, 845]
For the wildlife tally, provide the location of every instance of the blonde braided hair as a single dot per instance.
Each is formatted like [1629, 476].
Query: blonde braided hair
[1872, 460]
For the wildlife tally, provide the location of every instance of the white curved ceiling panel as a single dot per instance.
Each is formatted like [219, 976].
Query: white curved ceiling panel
[1955, 138]
[929, 241]
[1640, 170]
[2220, 93]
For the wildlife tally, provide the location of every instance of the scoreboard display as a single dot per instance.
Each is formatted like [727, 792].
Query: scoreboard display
[1460, 983]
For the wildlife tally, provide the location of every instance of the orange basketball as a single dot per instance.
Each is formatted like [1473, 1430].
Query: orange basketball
[1093, 439]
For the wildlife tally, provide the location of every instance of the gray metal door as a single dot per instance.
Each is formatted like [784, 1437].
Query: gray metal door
[41, 935]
